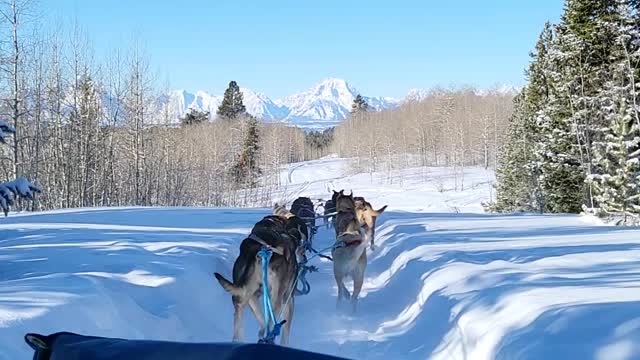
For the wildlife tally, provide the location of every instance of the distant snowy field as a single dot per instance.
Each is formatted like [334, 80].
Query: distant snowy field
[440, 285]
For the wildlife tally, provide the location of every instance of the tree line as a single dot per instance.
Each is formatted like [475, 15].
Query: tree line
[573, 141]
[97, 133]
[448, 127]
[94, 133]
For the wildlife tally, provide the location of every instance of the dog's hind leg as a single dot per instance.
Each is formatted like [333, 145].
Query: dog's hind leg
[288, 315]
[254, 305]
[342, 290]
[358, 280]
[370, 233]
[276, 297]
[238, 311]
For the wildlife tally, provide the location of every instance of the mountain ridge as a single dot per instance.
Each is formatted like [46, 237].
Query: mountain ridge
[323, 105]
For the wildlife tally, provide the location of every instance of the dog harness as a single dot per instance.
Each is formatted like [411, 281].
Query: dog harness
[278, 250]
[353, 243]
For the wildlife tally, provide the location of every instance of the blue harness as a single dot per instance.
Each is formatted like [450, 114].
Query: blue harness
[269, 316]
[265, 254]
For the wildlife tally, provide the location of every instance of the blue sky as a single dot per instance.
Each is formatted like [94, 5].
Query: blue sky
[280, 47]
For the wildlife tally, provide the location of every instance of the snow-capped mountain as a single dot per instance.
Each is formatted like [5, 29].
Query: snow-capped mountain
[322, 106]
[501, 89]
[261, 106]
[416, 95]
[180, 101]
[327, 103]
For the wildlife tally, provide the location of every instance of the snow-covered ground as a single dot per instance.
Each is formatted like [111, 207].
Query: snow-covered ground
[429, 189]
[440, 285]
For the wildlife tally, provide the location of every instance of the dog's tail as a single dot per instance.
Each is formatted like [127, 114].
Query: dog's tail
[379, 211]
[226, 284]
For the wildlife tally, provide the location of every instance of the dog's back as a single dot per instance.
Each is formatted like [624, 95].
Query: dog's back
[367, 217]
[246, 286]
[282, 211]
[294, 225]
[346, 222]
[346, 218]
[271, 231]
[349, 260]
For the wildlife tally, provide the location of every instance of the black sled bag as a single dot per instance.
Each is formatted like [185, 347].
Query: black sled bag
[70, 346]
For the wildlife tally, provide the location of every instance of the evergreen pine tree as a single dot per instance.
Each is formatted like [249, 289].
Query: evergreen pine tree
[359, 104]
[571, 118]
[515, 190]
[193, 117]
[616, 179]
[518, 168]
[561, 174]
[584, 19]
[246, 166]
[232, 106]
[582, 94]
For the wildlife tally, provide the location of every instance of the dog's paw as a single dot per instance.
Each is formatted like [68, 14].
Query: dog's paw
[372, 247]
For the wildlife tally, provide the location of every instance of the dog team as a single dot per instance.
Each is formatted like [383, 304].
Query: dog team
[286, 234]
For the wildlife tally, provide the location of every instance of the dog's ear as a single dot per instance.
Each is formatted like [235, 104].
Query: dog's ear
[302, 235]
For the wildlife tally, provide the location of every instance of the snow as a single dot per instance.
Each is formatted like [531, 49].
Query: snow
[446, 280]
[262, 107]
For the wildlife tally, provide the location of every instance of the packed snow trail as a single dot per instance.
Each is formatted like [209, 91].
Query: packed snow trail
[438, 286]
[426, 189]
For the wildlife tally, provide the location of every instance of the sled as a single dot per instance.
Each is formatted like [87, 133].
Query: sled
[70, 346]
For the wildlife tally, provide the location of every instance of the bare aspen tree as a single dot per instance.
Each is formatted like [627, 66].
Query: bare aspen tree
[451, 127]
[38, 67]
[136, 102]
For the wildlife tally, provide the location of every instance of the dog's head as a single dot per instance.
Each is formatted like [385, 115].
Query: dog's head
[345, 202]
[360, 202]
[335, 195]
